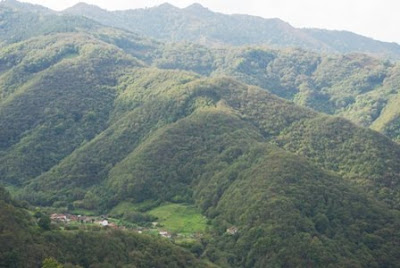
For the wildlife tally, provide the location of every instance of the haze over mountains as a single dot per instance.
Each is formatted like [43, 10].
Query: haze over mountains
[196, 23]
[95, 116]
[199, 24]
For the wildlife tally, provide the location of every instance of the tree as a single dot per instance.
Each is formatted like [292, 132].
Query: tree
[44, 222]
[51, 263]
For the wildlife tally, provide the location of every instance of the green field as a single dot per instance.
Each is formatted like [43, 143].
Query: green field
[127, 206]
[122, 207]
[180, 218]
[84, 212]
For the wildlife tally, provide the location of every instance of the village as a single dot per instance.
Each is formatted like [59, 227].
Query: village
[103, 221]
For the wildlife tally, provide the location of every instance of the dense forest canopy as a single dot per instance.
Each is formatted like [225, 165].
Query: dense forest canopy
[198, 24]
[277, 157]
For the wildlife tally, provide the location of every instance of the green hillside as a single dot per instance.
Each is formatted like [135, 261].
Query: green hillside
[20, 22]
[180, 218]
[237, 151]
[221, 147]
[354, 153]
[355, 86]
[290, 213]
[42, 115]
[25, 242]
[198, 24]
[358, 87]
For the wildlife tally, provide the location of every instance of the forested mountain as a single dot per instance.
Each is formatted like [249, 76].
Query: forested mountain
[19, 23]
[93, 117]
[123, 131]
[26, 7]
[355, 86]
[199, 24]
[358, 87]
[25, 242]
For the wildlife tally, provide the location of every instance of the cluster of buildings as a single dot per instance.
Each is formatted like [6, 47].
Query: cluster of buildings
[68, 218]
[99, 220]
[232, 230]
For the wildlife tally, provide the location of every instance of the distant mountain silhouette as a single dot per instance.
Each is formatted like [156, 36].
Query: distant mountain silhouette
[196, 23]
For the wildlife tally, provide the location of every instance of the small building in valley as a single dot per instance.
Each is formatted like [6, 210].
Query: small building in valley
[58, 217]
[232, 230]
[165, 234]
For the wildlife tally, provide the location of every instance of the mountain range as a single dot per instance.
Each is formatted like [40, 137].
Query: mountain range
[196, 23]
[295, 150]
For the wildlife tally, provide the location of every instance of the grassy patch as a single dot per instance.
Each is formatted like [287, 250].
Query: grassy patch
[13, 190]
[123, 207]
[388, 114]
[84, 212]
[127, 206]
[180, 218]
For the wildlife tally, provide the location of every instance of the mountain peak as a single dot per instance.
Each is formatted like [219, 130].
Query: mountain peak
[83, 6]
[167, 6]
[22, 6]
[197, 8]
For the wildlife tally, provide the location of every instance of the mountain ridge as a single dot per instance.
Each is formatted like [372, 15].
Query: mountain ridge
[189, 24]
[96, 119]
[315, 39]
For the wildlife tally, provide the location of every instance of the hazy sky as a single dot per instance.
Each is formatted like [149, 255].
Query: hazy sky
[378, 19]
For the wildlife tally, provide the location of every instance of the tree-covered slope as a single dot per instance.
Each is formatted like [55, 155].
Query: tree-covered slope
[96, 119]
[288, 212]
[24, 242]
[19, 22]
[291, 214]
[54, 98]
[277, 200]
[152, 100]
[196, 23]
[355, 86]
[201, 25]
[113, 105]
[344, 41]
[362, 156]
[217, 154]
